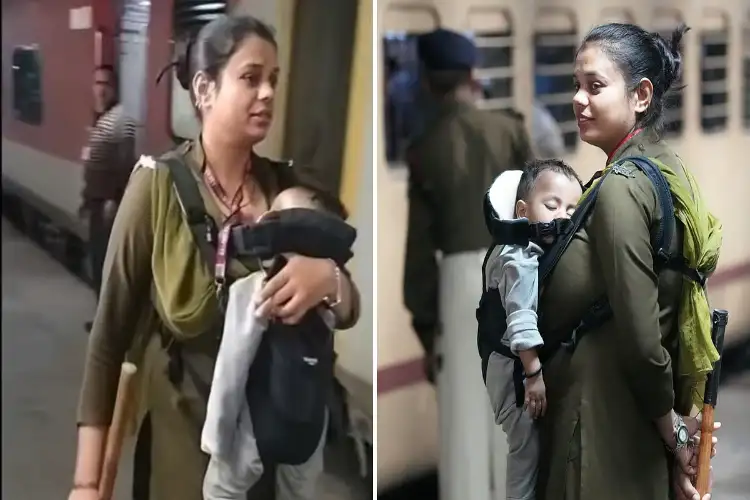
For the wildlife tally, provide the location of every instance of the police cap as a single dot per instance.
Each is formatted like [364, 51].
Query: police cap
[445, 50]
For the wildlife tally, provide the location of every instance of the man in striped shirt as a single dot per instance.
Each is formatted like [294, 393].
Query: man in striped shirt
[108, 159]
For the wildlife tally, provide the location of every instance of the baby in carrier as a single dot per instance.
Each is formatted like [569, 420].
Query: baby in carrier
[303, 220]
[544, 191]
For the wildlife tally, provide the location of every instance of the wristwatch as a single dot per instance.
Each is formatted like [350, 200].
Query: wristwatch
[681, 436]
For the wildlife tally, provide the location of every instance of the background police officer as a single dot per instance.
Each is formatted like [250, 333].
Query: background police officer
[451, 165]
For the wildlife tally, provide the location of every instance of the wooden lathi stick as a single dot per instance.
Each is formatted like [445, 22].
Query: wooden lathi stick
[719, 320]
[124, 405]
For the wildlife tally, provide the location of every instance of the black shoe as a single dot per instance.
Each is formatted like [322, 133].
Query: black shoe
[88, 325]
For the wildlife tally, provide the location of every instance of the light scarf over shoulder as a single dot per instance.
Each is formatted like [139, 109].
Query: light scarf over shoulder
[184, 291]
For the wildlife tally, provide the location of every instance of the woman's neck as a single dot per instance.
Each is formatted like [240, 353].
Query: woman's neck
[228, 161]
[612, 150]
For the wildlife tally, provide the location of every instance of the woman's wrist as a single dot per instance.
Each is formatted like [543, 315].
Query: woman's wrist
[333, 298]
[666, 425]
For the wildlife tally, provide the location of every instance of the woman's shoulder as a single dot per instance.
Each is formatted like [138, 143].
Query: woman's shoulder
[280, 168]
[286, 173]
[626, 186]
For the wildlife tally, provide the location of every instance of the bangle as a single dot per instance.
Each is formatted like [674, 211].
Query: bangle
[333, 302]
[532, 375]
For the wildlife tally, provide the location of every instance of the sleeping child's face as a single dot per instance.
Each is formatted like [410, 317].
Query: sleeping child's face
[554, 196]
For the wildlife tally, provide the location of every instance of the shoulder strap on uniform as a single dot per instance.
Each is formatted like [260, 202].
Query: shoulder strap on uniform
[662, 240]
[201, 224]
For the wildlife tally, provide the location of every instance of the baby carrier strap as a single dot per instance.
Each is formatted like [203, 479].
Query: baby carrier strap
[300, 230]
[519, 231]
[552, 256]
[202, 225]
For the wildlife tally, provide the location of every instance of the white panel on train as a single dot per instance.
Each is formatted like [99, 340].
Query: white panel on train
[133, 62]
[616, 15]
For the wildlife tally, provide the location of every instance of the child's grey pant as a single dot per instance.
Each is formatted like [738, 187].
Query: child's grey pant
[293, 482]
[519, 427]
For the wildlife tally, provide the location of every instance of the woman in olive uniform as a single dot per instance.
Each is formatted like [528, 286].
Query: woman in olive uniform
[156, 281]
[612, 403]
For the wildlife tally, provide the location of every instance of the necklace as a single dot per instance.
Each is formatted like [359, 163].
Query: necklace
[236, 202]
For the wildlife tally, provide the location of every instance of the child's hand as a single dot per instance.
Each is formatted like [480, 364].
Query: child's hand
[535, 401]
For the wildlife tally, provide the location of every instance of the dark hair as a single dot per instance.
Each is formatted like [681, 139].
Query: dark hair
[443, 82]
[322, 196]
[639, 54]
[533, 169]
[209, 49]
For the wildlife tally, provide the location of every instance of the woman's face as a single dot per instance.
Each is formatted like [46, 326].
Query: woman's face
[243, 102]
[605, 110]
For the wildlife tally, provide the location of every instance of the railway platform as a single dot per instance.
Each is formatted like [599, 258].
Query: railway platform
[44, 308]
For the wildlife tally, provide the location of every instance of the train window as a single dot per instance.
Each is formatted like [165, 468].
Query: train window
[554, 53]
[188, 17]
[714, 80]
[495, 72]
[746, 75]
[403, 93]
[27, 85]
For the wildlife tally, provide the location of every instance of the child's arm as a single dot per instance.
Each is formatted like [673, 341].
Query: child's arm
[515, 273]
[518, 285]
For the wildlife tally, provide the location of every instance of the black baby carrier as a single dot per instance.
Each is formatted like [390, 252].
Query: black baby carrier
[290, 382]
[491, 317]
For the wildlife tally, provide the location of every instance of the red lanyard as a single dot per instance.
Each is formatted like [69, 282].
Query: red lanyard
[234, 205]
[621, 143]
[220, 267]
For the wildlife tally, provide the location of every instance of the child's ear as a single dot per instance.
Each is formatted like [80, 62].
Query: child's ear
[521, 209]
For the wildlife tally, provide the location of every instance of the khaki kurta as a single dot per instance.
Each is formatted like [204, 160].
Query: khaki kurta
[451, 166]
[126, 321]
[598, 438]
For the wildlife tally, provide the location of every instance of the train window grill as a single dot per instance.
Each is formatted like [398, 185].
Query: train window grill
[673, 111]
[746, 75]
[191, 15]
[403, 94]
[495, 72]
[553, 80]
[188, 17]
[27, 85]
[714, 80]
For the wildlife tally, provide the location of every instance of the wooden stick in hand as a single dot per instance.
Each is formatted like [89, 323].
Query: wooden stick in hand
[124, 405]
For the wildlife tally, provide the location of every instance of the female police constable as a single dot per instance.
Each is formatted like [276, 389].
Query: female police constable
[612, 402]
[156, 280]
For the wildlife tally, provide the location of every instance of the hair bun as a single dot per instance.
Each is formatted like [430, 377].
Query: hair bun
[182, 57]
[671, 54]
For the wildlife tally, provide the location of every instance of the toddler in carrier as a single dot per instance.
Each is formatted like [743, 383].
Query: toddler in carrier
[228, 436]
[544, 191]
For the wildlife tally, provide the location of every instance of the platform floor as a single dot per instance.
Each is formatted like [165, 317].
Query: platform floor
[44, 308]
